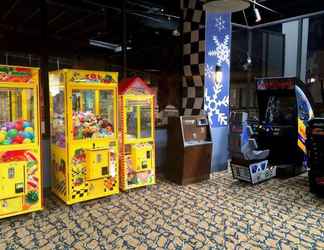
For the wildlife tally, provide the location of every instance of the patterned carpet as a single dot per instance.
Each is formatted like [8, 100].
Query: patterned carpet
[217, 214]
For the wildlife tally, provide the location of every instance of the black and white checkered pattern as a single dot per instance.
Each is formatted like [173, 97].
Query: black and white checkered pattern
[80, 193]
[194, 57]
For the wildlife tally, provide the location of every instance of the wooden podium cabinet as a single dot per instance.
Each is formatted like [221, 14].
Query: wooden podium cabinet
[189, 149]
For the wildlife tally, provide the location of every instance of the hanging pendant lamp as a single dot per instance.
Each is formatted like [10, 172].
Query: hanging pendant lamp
[222, 6]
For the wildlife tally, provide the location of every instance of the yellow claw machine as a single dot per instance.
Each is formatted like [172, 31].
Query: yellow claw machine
[137, 153]
[20, 163]
[84, 136]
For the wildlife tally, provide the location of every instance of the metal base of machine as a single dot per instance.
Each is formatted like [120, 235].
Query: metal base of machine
[289, 170]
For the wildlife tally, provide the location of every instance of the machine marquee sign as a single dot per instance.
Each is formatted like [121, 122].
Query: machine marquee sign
[15, 74]
[137, 89]
[276, 84]
[94, 77]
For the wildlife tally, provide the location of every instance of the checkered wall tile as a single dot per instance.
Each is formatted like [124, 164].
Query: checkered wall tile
[193, 57]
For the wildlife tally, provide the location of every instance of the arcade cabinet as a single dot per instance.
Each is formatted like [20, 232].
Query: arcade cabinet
[189, 149]
[284, 109]
[84, 136]
[20, 156]
[315, 152]
[137, 134]
[248, 163]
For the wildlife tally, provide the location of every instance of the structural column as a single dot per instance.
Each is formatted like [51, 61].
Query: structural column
[44, 96]
[124, 38]
[44, 71]
[206, 43]
[193, 57]
[217, 83]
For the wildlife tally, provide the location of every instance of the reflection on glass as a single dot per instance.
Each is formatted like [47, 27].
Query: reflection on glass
[16, 116]
[131, 121]
[106, 105]
[58, 117]
[93, 113]
[146, 122]
[83, 100]
[138, 113]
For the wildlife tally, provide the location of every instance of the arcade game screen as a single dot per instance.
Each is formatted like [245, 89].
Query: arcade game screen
[279, 110]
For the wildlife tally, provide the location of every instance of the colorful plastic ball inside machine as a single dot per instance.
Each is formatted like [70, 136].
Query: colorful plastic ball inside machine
[84, 139]
[137, 160]
[20, 169]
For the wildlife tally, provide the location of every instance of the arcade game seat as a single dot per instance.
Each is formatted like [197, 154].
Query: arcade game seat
[248, 163]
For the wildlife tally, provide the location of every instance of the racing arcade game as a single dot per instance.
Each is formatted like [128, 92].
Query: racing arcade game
[284, 110]
[315, 146]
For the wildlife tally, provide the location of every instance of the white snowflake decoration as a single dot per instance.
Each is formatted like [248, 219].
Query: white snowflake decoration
[209, 72]
[222, 51]
[213, 105]
[217, 88]
[220, 23]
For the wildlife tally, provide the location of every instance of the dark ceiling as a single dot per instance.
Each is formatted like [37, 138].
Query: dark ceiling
[72, 23]
[150, 23]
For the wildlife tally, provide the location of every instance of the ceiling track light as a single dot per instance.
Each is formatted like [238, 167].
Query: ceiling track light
[256, 13]
[176, 33]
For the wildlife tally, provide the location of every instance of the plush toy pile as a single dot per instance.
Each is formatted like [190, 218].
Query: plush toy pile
[19, 132]
[88, 125]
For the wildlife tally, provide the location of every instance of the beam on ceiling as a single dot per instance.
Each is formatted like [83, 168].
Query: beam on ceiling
[103, 6]
[59, 15]
[10, 9]
[262, 6]
[241, 25]
[88, 29]
[73, 23]
[32, 15]
[55, 47]
[70, 7]
[143, 5]
[287, 20]
[147, 17]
